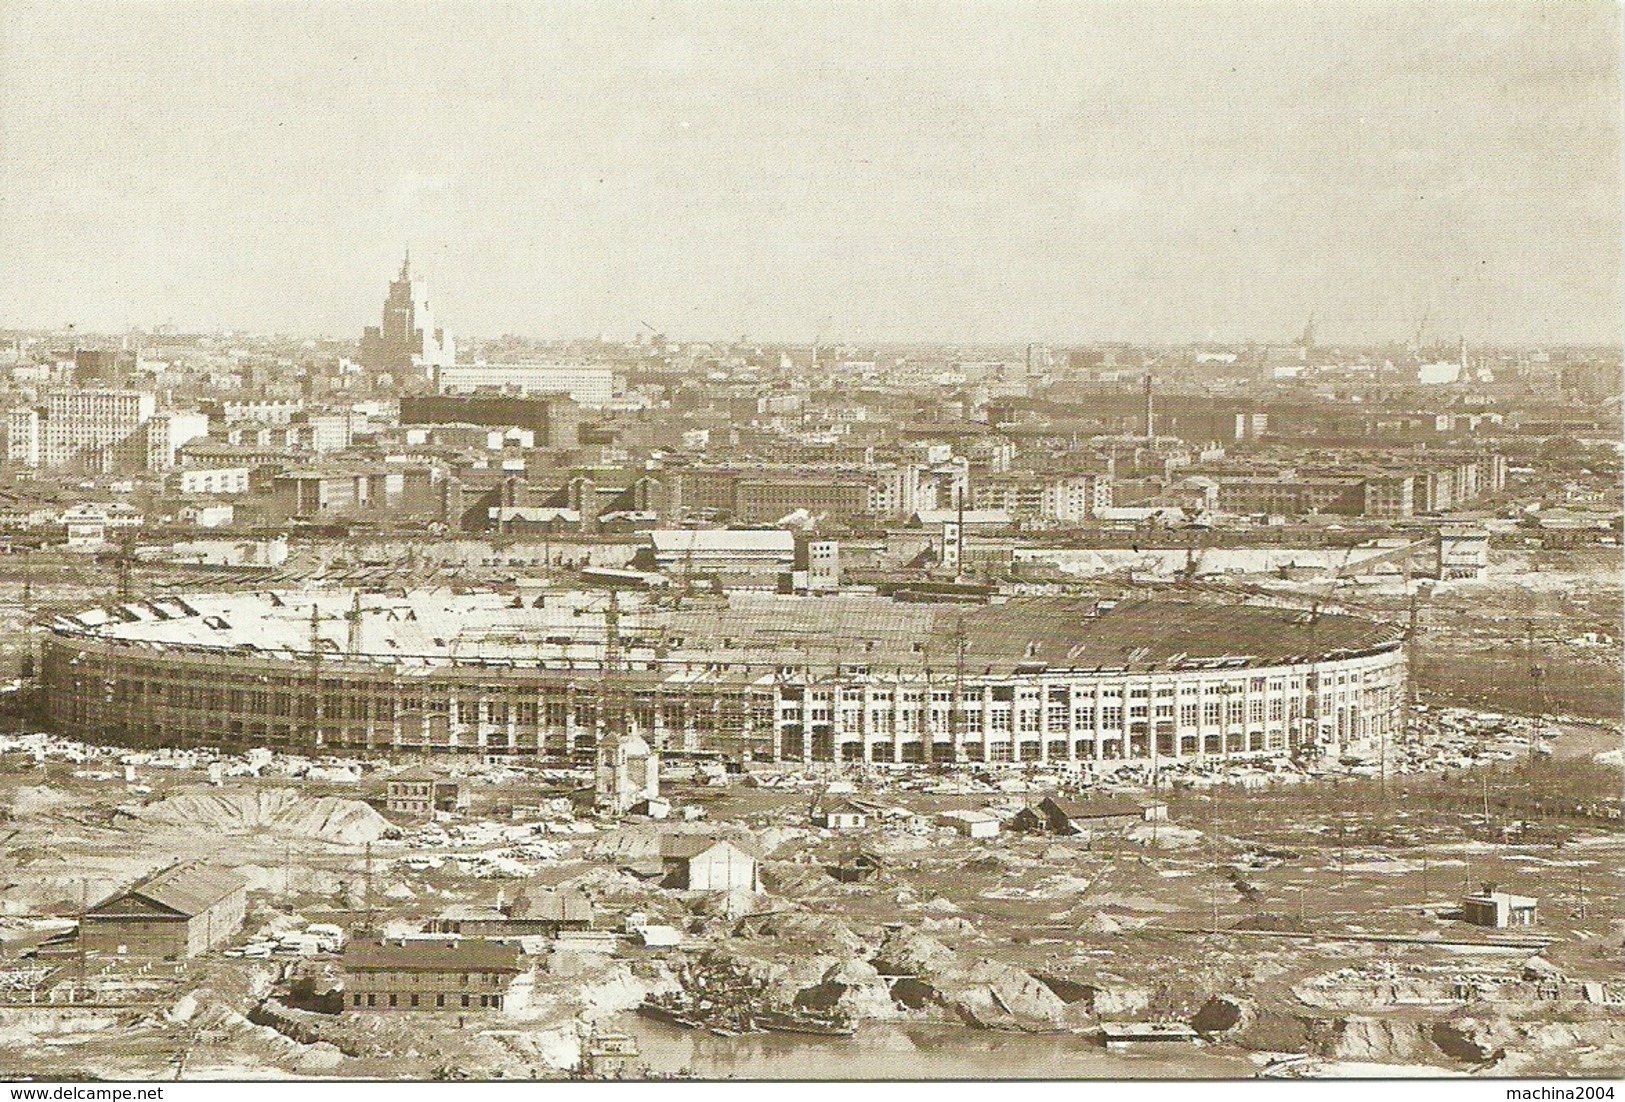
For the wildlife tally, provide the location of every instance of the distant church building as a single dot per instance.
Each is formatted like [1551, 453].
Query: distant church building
[628, 772]
[408, 341]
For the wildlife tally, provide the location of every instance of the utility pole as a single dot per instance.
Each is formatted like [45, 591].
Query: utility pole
[1536, 675]
[1425, 892]
[1213, 853]
[314, 709]
[609, 698]
[126, 580]
[1340, 852]
[957, 722]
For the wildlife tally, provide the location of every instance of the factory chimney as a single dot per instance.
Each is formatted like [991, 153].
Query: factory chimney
[354, 640]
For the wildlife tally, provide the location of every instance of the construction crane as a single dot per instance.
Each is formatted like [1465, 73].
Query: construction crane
[124, 559]
[611, 704]
[314, 709]
[1538, 742]
[1321, 596]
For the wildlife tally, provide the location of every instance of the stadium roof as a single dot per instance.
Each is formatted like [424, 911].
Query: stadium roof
[747, 636]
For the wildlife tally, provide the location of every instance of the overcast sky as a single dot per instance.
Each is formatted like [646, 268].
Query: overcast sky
[880, 169]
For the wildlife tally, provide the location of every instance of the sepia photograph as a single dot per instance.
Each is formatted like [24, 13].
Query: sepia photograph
[822, 540]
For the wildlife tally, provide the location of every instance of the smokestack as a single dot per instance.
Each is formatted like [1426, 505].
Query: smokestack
[354, 639]
[1150, 417]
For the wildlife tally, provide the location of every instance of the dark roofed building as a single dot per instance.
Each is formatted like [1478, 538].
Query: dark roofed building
[179, 912]
[468, 974]
[553, 912]
[1091, 816]
[545, 912]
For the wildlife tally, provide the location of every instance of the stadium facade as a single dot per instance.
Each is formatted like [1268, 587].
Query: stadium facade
[542, 674]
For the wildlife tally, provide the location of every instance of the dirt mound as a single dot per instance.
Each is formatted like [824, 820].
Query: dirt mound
[822, 930]
[959, 927]
[909, 953]
[265, 811]
[853, 987]
[997, 996]
[1385, 1041]
[1100, 923]
[1164, 836]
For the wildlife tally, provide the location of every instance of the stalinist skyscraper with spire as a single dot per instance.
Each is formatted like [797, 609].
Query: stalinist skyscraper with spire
[408, 342]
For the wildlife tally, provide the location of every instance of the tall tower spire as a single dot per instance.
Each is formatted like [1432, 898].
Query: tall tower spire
[406, 265]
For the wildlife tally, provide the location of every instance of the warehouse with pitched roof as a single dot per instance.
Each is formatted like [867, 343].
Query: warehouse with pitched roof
[181, 911]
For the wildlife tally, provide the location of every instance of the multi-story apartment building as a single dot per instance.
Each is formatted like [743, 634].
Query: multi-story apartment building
[23, 437]
[348, 492]
[894, 489]
[760, 499]
[1067, 499]
[1390, 495]
[1291, 494]
[265, 411]
[96, 430]
[553, 419]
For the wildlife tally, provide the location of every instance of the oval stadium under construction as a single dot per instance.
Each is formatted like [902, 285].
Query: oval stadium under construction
[542, 674]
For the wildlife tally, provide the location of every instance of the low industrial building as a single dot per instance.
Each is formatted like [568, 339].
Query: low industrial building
[182, 911]
[1087, 817]
[972, 823]
[700, 863]
[839, 815]
[466, 974]
[1497, 909]
[546, 913]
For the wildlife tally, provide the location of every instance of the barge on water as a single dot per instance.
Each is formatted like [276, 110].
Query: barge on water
[1120, 1034]
[734, 1022]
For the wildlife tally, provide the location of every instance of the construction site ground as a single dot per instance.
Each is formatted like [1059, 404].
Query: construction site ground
[1184, 920]
[1151, 925]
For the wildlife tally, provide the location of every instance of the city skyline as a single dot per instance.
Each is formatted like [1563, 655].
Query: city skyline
[928, 173]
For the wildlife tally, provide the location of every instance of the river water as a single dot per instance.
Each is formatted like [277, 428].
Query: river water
[889, 1050]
